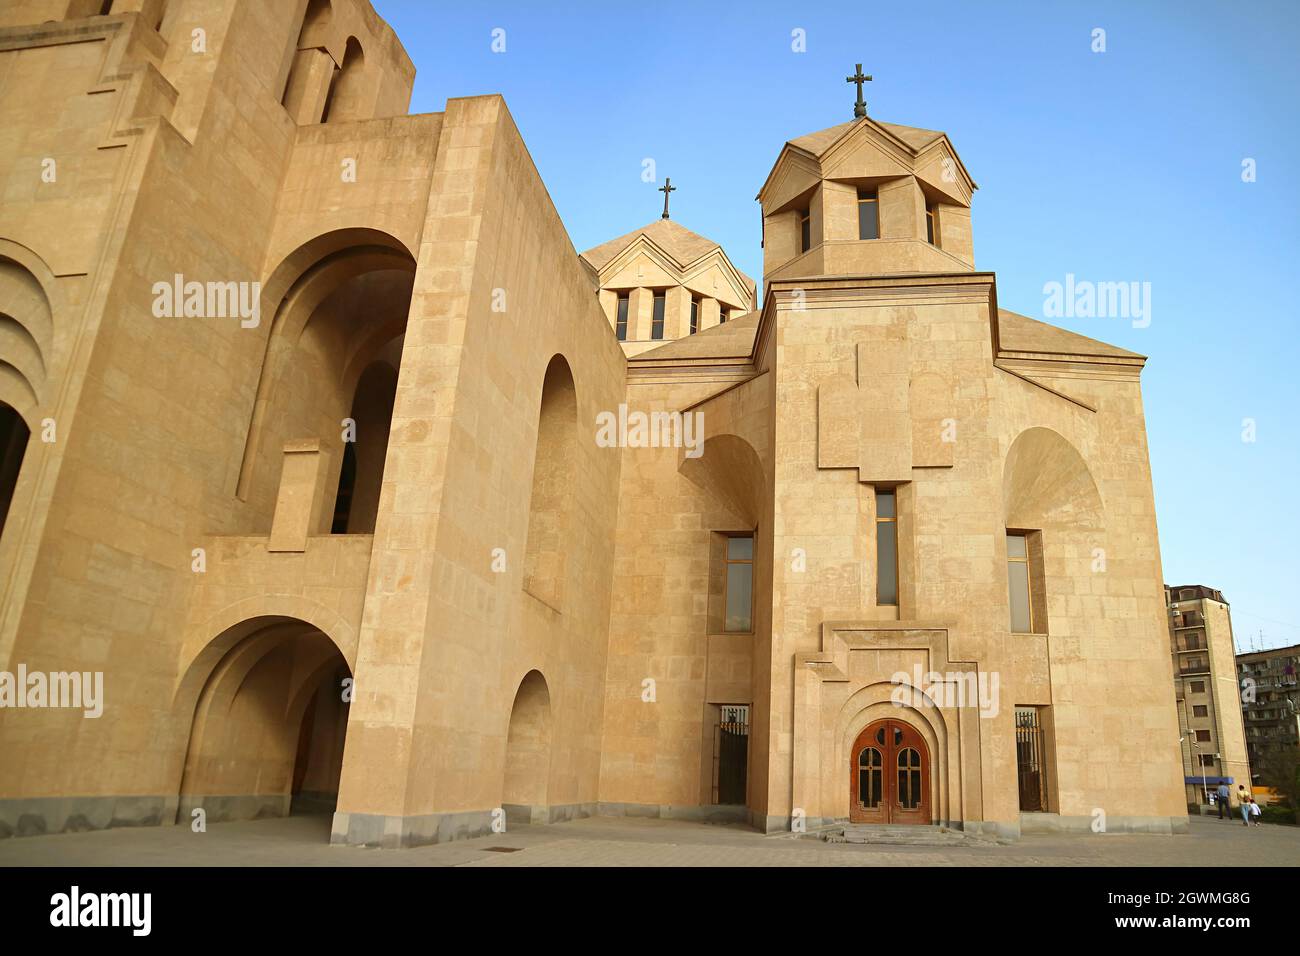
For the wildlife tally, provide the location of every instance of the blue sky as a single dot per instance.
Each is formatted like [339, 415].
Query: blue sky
[1117, 166]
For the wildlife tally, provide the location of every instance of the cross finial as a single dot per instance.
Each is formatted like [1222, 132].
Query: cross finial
[667, 188]
[860, 107]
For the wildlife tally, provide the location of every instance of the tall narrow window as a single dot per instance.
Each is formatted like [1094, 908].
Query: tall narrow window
[868, 214]
[931, 223]
[722, 316]
[886, 548]
[739, 599]
[805, 230]
[657, 319]
[1018, 584]
[695, 314]
[620, 324]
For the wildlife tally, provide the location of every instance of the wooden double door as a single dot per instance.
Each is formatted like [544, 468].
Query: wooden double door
[889, 775]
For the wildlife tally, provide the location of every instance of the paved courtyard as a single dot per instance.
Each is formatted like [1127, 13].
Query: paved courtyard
[616, 841]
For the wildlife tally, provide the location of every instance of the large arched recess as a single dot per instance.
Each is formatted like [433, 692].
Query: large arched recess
[1046, 484]
[339, 304]
[267, 727]
[31, 303]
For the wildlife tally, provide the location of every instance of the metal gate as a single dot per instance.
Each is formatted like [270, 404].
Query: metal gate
[731, 755]
[1031, 759]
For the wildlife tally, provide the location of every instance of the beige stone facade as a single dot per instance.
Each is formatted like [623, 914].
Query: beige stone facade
[324, 451]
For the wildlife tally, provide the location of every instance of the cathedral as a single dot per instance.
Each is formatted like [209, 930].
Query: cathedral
[336, 480]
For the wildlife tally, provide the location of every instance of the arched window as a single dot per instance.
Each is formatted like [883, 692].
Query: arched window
[344, 101]
[13, 446]
[362, 472]
[554, 474]
[308, 53]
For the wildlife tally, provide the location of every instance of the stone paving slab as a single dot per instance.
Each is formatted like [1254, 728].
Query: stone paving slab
[627, 841]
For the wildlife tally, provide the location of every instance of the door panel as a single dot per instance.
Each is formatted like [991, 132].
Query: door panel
[889, 775]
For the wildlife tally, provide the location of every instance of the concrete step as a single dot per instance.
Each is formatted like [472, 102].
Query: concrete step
[902, 835]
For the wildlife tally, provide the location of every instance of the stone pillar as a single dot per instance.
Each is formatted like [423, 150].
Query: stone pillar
[309, 86]
[301, 500]
[709, 311]
[609, 302]
[640, 312]
[677, 313]
[780, 239]
[839, 211]
[955, 233]
[816, 218]
[902, 209]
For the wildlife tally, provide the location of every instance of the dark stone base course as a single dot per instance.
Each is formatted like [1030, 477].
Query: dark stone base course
[37, 816]
[391, 833]
[1029, 823]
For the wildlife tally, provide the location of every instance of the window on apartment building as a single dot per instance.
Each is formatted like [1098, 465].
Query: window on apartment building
[1200, 710]
[1019, 584]
[1203, 736]
[695, 314]
[805, 230]
[886, 547]
[868, 214]
[739, 583]
[1197, 687]
[1207, 760]
[931, 223]
[620, 322]
[657, 317]
[722, 316]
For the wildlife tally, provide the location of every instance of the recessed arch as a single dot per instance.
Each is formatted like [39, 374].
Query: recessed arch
[555, 472]
[1046, 484]
[732, 472]
[526, 784]
[346, 99]
[339, 302]
[268, 722]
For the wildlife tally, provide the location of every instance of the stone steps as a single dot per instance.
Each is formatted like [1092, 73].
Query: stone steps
[896, 835]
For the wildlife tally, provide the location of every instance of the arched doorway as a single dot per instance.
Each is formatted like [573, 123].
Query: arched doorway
[889, 775]
[269, 725]
[528, 752]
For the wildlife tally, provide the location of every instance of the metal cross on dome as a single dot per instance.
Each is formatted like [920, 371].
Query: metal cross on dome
[667, 188]
[860, 107]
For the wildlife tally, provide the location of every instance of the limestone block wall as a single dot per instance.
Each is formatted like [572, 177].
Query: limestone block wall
[1102, 646]
[450, 631]
[174, 164]
[658, 753]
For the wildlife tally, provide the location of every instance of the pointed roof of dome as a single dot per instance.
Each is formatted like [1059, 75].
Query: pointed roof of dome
[680, 243]
[822, 140]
